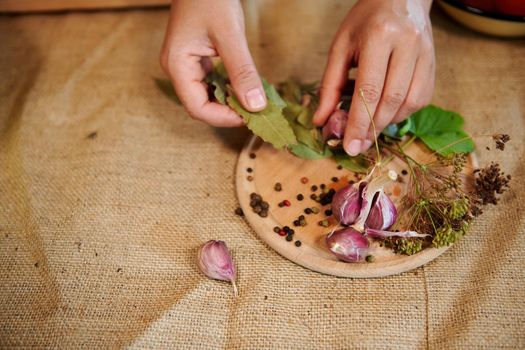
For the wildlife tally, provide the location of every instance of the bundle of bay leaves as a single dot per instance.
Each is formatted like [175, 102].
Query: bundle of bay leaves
[286, 122]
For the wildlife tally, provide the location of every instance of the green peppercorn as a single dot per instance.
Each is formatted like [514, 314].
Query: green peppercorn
[369, 258]
[276, 229]
[315, 210]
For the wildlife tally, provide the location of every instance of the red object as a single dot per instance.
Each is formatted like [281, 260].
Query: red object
[304, 180]
[282, 232]
[484, 5]
[287, 203]
[511, 7]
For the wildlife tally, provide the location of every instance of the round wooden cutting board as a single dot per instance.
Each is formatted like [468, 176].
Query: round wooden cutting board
[271, 166]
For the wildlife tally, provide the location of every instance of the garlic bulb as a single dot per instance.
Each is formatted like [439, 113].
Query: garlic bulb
[335, 126]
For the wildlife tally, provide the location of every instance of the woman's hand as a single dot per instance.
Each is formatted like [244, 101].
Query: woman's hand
[198, 30]
[391, 44]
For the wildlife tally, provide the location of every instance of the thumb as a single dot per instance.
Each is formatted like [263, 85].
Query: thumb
[243, 75]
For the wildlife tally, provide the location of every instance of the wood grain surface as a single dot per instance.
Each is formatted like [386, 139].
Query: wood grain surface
[271, 166]
[61, 5]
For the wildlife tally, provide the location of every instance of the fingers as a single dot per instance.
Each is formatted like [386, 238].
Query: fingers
[421, 88]
[333, 81]
[371, 71]
[399, 76]
[186, 74]
[243, 75]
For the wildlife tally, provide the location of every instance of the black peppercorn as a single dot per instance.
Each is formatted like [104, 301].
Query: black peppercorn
[249, 170]
[308, 211]
[296, 223]
[404, 172]
[323, 186]
[265, 205]
[313, 188]
[335, 179]
[278, 187]
[252, 155]
[328, 212]
[300, 197]
[298, 243]
[289, 238]
[239, 212]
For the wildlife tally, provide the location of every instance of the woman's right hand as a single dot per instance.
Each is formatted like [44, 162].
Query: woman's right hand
[201, 29]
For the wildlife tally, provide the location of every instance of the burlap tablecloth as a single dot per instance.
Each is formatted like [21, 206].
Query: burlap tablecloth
[107, 188]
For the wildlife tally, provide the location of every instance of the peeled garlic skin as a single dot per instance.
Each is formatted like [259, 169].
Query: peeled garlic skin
[336, 125]
[348, 245]
[215, 261]
[346, 203]
[383, 212]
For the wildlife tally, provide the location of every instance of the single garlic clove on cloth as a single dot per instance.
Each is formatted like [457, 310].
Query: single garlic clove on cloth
[214, 260]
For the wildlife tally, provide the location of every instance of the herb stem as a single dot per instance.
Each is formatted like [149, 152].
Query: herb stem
[362, 95]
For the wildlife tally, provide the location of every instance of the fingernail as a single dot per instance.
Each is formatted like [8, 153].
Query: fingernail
[353, 147]
[366, 145]
[255, 99]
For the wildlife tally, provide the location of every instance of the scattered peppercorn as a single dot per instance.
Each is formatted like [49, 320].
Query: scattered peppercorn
[308, 211]
[315, 210]
[289, 238]
[287, 203]
[301, 217]
[335, 179]
[302, 222]
[249, 170]
[339, 167]
[304, 180]
[369, 258]
[404, 172]
[296, 223]
[276, 229]
[249, 178]
[313, 196]
[239, 211]
[328, 212]
[313, 188]
[286, 229]
[298, 243]
[323, 186]
[282, 232]
[281, 204]
[278, 187]
[259, 206]
[252, 155]
[300, 197]
[324, 223]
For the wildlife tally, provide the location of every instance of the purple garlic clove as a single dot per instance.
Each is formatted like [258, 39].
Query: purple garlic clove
[383, 212]
[335, 126]
[348, 245]
[215, 261]
[385, 234]
[346, 203]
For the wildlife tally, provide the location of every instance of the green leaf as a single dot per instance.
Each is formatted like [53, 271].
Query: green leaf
[219, 84]
[165, 86]
[305, 118]
[449, 142]
[302, 151]
[356, 164]
[272, 95]
[440, 130]
[269, 124]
